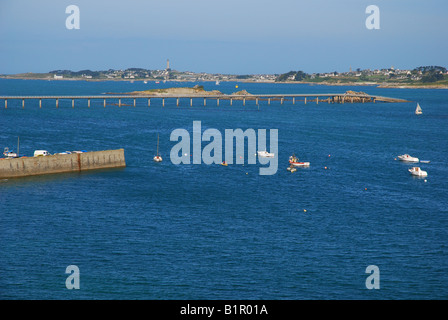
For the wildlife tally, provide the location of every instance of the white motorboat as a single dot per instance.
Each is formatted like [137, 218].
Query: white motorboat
[265, 154]
[294, 161]
[416, 171]
[418, 110]
[9, 154]
[300, 164]
[408, 158]
[158, 158]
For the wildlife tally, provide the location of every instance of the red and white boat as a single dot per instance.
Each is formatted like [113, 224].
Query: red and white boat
[408, 158]
[158, 158]
[294, 161]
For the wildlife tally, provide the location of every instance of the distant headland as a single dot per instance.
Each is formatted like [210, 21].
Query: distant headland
[420, 77]
[433, 77]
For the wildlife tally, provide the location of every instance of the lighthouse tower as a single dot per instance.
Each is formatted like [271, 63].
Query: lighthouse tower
[168, 65]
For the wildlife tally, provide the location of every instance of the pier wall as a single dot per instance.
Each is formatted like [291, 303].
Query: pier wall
[347, 97]
[75, 162]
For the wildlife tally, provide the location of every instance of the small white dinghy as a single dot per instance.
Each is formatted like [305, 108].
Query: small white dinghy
[416, 171]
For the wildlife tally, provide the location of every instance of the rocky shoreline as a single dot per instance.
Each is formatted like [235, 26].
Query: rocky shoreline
[184, 91]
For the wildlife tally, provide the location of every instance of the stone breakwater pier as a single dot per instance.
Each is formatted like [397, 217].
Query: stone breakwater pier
[58, 163]
[117, 99]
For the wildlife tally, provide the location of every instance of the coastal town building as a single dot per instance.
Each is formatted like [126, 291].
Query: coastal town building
[379, 75]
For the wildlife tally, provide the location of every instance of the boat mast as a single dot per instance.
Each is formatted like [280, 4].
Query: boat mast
[157, 144]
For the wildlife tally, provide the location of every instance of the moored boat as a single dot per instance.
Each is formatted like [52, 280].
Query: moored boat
[300, 164]
[294, 161]
[408, 158]
[9, 154]
[158, 158]
[416, 171]
[265, 154]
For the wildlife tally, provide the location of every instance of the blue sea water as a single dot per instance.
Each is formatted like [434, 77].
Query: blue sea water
[165, 231]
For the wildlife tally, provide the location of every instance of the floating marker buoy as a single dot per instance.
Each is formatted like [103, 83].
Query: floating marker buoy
[329, 155]
[247, 173]
[325, 168]
[304, 210]
[425, 180]
[365, 188]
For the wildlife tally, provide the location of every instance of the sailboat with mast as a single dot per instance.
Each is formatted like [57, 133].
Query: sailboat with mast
[157, 158]
[418, 110]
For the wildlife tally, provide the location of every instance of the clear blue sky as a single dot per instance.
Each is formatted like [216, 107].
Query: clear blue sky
[222, 36]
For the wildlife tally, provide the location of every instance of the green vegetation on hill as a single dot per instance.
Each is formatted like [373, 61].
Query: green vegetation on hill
[293, 76]
[421, 76]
